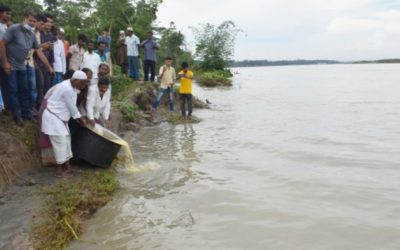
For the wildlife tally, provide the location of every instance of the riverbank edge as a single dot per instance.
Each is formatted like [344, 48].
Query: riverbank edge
[214, 78]
[67, 203]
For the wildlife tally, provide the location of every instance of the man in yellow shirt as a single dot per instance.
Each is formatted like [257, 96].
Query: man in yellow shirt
[186, 76]
[168, 78]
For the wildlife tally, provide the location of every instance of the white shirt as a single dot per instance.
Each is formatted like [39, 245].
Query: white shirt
[95, 105]
[3, 28]
[91, 61]
[59, 64]
[132, 43]
[61, 106]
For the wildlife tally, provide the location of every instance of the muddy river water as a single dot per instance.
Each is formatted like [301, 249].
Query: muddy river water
[300, 157]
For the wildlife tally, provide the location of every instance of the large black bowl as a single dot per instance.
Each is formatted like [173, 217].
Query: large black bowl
[94, 149]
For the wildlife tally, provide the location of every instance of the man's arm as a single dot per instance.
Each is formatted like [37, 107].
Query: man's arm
[143, 43]
[3, 53]
[43, 58]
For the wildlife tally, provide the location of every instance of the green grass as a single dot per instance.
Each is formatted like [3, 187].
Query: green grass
[68, 203]
[176, 118]
[215, 78]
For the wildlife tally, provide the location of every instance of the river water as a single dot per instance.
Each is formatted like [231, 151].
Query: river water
[299, 157]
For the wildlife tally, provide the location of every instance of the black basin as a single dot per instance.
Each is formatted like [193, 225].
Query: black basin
[94, 149]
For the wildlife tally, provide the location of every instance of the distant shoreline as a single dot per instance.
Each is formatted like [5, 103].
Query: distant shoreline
[266, 63]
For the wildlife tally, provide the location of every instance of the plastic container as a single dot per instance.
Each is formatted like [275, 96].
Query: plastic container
[93, 148]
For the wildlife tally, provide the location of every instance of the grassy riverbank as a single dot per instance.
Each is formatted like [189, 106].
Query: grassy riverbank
[69, 203]
[215, 78]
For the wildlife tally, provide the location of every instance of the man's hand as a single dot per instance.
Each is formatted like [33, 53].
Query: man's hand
[7, 68]
[51, 71]
[91, 122]
[164, 69]
[108, 123]
[81, 122]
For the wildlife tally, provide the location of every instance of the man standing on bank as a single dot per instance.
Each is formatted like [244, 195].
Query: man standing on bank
[18, 40]
[149, 64]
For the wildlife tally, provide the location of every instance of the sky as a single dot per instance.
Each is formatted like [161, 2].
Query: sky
[343, 30]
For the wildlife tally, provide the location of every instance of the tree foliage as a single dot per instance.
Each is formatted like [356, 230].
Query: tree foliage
[20, 6]
[215, 44]
[172, 45]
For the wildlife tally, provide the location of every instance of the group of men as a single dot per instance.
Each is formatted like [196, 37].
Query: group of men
[128, 54]
[34, 56]
[37, 85]
[44, 78]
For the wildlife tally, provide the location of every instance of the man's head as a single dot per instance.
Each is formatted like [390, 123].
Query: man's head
[79, 80]
[55, 30]
[88, 72]
[129, 31]
[90, 46]
[150, 35]
[5, 14]
[81, 40]
[105, 32]
[185, 66]
[29, 19]
[168, 61]
[49, 22]
[103, 84]
[40, 21]
[104, 69]
[101, 46]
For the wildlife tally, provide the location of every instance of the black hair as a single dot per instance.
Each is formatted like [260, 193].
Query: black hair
[87, 70]
[82, 37]
[104, 64]
[168, 58]
[106, 30]
[89, 41]
[48, 15]
[104, 80]
[101, 42]
[68, 74]
[184, 65]
[41, 18]
[4, 8]
[28, 14]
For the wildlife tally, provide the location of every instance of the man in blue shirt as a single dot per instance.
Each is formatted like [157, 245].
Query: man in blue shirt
[149, 63]
[14, 48]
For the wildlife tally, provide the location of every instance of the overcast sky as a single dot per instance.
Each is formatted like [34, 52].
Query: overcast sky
[294, 29]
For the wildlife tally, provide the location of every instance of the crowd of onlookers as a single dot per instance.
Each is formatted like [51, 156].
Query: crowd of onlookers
[45, 79]
[35, 55]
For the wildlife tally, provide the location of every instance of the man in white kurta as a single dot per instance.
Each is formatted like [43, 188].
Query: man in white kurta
[98, 103]
[61, 106]
[60, 64]
[92, 61]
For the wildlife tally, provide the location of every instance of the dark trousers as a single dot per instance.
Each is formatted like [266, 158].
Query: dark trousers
[149, 65]
[18, 92]
[186, 98]
[4, 88]
[42, 83]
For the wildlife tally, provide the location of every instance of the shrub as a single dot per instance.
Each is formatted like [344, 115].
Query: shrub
[215, 78]
[128, 111]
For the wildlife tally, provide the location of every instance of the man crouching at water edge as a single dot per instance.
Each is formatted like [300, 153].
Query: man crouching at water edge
[98, 104]
[61, 106]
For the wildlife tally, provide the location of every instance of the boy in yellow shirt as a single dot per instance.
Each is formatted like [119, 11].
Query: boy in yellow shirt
[185, 76]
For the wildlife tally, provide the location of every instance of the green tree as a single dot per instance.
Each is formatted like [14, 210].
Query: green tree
[215, 44]
[172, 45]
[18, 8]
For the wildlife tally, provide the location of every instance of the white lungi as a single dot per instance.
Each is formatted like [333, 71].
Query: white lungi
[61, 147]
